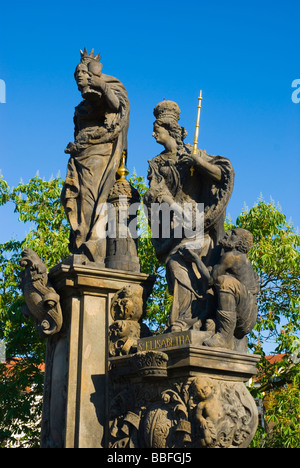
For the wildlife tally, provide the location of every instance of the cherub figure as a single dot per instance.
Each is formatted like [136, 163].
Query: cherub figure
[209, 412]
[127, 303]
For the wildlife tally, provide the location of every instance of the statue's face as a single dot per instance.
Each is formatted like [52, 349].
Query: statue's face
[233, 236]
[81, 76]
[229, 240]
[203, 388]
[160, 134]
[122, 308]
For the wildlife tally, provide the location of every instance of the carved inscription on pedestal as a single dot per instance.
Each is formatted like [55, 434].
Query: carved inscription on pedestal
[169, 340]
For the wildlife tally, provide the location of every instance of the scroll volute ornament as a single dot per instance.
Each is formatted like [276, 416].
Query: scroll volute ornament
[42, 301]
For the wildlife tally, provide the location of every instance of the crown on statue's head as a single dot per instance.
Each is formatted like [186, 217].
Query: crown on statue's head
[166, 110]
[86, 57]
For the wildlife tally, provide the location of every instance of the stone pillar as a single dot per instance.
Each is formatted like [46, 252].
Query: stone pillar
[76, 392]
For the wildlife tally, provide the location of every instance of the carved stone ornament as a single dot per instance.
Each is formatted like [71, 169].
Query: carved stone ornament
[127, 309]
[151, 364]
[183, 412]
[42, 301]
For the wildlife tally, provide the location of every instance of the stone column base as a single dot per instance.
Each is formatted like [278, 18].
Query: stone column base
[76, 392]
[181, 396]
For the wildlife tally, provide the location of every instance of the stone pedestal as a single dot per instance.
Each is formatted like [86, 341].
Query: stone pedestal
[176, 393]
[76, 393]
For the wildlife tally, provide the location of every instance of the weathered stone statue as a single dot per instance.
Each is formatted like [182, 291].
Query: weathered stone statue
[110, 383]
[101, 125]
[178, 178]
[185, 388]
[235, 285]
[71, 303]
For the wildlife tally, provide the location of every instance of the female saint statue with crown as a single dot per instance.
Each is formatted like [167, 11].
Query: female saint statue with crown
[177, 176]
[101, 124]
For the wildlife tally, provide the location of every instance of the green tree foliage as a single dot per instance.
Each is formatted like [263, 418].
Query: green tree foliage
[283, 416]
[37, 204]
[276, 258]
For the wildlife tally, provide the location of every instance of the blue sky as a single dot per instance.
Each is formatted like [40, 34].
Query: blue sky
[243, 55]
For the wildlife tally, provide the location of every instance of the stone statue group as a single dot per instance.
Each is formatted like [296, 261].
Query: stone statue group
[153, 399]
[212, 281]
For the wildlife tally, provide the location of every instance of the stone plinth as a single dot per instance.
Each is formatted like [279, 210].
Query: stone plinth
[181, 396]
[76, 394]
[186, 355]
